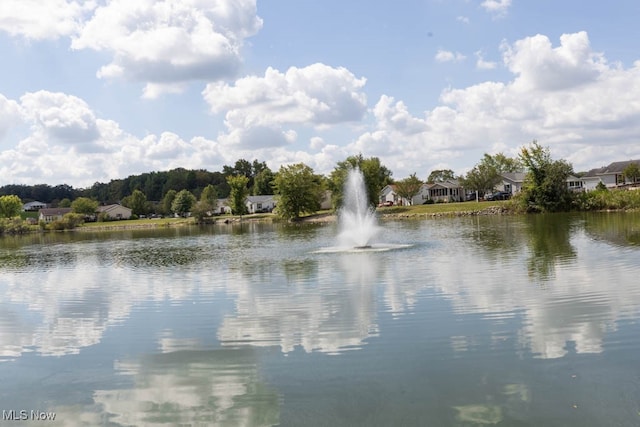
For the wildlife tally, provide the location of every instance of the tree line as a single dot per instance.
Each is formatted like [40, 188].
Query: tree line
[299, 190]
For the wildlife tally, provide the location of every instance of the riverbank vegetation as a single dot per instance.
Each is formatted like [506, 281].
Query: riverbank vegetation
[297, 190]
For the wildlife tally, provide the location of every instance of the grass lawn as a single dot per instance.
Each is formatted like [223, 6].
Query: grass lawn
[438, 208]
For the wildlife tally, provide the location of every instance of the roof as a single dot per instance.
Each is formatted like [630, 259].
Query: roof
[261, 199]
[514, 176]
[55, 211]
[618, 167]
[450, 183]
[108, 208]
[613, 168]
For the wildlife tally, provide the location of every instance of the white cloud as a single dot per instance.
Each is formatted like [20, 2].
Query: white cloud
[497, 7]
[481, 64]
[39, 20]
[256, 108]
[463, 19]
[448, 56]
[565, 97]
[9, 115]
[317, 95]
[62, 117]
[166, 42]
[540, 66]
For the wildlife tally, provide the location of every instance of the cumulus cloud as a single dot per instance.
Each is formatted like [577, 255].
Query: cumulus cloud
[482, 64]
[9, 115]
[166, 42]
[316, 95]
[497, 7]
[448, 56]
[566, 97]
[539, 66]
[40, 20]
[63, 117]
[258, 109]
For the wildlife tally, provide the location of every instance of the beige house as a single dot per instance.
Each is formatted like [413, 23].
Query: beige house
[114, 211]
[52, 214]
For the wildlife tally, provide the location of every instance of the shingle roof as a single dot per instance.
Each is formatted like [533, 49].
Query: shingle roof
[55, 211]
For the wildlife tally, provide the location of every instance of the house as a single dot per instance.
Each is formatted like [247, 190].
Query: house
[257, 204]
[388, 194]
[33, 206]
[511, 182]
[114, 211]
[52, 214]
[325, 201]
[574, 183]
[611, 176]
[222, 207]
[446, 191]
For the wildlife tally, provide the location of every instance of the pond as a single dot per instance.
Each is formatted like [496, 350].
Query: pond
[498, 320]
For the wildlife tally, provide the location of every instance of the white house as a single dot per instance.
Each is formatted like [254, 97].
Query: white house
[115, 211]
[446, 191]
[257, 204]
[33, 206]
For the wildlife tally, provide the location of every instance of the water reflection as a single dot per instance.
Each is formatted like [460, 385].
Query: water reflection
[325, 305]
[549, 243]
[216, 388]
[621, 230]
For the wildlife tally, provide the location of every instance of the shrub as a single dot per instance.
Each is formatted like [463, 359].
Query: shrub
[13, 226]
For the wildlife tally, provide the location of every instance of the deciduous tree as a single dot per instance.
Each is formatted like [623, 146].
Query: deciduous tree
[84, 205]
[10, 206]
[545, 187]
[298, 189]
[183, 202]
[407, 188]
[375, 174]
[440, 175]
[238, 194]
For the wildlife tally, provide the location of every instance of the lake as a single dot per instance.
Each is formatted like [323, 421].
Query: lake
[496, 320]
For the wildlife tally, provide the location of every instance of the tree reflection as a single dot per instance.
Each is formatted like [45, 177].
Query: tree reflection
[621, 229]
[549, 243]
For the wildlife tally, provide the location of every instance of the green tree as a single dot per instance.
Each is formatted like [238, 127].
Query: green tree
[486, 174]
[84, 205]
[263, 182]
[375, 174]
[64, 203]
[298, 189]
[440, 175]
[502, 164]
[137, 202]
[238, 193]
[407, 188]
[10, 206]
[209, 198]
[545, 187]
[167, 201]
[632, 172]
[183, 202]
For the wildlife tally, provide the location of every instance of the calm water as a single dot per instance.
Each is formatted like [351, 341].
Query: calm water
[514, 321]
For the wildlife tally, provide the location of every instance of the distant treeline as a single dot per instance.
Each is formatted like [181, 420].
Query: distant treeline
[153, 184]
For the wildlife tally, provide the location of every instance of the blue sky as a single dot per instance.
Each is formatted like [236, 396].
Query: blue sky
[96, 90]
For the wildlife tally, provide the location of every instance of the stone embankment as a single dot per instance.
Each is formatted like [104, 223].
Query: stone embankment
[492, 210]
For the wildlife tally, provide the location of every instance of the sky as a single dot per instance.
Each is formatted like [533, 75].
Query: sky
[97, 90]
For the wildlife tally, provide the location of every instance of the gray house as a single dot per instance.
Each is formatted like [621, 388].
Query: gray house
[611, 176]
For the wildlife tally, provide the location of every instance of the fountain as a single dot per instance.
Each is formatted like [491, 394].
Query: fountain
[357, 221]
[358, 224]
